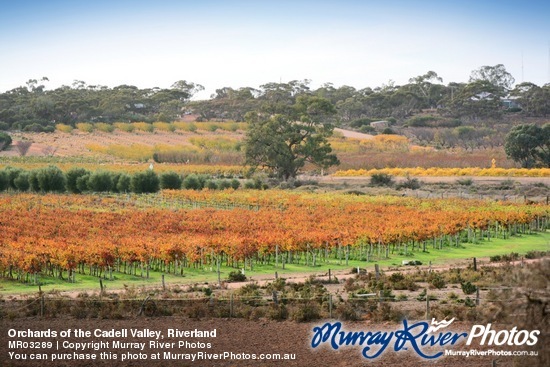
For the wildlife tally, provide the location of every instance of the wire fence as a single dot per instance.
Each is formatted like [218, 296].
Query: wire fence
[277, 305]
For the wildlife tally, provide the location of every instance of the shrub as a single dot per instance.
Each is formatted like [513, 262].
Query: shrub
[144, 126]
[495, 258]
[51, 178]
[21, 182]
[37, 128]
[536, 254]
[278, 312]
[114, 178]
[224, 184]
[236, 276]
[468, 288]
[12, 172]
[512, 256]
[306, 312]
[367, 129]
[420, 121]
[124, 126]
[164, 126]
[33, 180]
[4, 126]
[465, 181]
[64, 128]
[5, 141]
[145, 182]
[249, 185]
[72, 176]
[211, 185]
[436, 280]
[212, 127]
[123, 183]
[100, 181]
[381, 179]
[170, 180]
[192, 182]
[106, 128]
[362, 122]
[235, 184]
[85, 127]
[4, 180]
[409, 183]
[347, 312]
[82, 182]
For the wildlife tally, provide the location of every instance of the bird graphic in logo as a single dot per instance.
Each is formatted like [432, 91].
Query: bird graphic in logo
[439, 325]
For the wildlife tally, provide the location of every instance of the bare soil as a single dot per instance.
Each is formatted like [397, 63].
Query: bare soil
[354, 134]
[75, 143]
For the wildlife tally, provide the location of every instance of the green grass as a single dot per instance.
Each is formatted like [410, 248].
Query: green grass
[482, 249]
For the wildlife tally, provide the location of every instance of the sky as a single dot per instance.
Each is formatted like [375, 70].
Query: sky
[249, 43]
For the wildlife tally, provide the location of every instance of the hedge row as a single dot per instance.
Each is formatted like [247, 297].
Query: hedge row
[80, 180]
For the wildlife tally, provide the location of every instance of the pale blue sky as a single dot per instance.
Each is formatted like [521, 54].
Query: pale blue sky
[249, 43]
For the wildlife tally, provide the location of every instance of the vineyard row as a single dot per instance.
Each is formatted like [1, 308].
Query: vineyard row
[61, 235]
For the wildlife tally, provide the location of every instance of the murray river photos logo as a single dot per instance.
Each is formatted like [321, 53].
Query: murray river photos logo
[418, 337]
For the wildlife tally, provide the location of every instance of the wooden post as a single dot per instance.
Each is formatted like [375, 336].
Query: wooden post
[163, 283]
[377, 270]
[430, 267]
[329, 276]
[475, 264]
[347, 254]
[275, 300]
[477, 296]
[100, 286]
[276, 275]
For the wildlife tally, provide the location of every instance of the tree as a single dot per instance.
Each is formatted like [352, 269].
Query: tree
[23, 147]
[534, 100]
[4, 180]
[100, 181]
[529, 144]
[170, 180]
[423, 85]
[496, 75]
[285, 142]
[476, 100]
[5, 141]
[72, 176]
[51, 178]
[145, 182]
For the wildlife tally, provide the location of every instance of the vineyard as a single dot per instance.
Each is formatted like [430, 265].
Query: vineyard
[61, 236]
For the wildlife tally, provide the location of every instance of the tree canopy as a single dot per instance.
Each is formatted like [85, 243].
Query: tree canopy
[33, 107]
[285, 142]
[529, 144]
